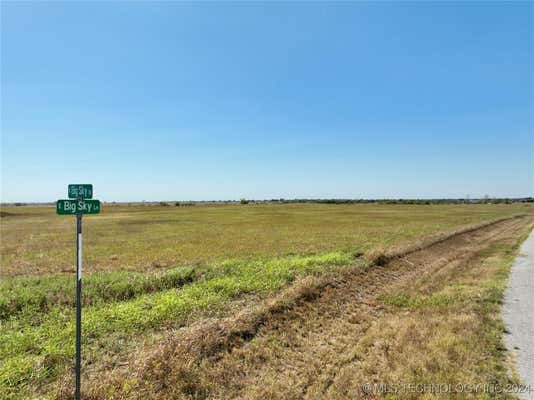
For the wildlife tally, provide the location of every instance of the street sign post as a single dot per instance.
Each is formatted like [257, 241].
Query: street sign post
[79, 203]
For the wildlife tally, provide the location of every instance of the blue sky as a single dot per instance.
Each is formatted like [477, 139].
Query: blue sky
[176, 101]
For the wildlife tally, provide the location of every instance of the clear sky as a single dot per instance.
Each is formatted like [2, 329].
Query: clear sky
[176, 101]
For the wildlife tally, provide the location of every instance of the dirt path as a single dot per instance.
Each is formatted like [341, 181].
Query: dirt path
[301, 353]
[519, 313]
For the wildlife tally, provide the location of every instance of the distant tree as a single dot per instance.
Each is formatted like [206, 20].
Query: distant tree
[244, 201]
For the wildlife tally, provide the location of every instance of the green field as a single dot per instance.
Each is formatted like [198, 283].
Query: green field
[149, 269]
[36, 241]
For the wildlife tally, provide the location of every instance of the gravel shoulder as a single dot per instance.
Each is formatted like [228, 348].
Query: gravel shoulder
[519, 313]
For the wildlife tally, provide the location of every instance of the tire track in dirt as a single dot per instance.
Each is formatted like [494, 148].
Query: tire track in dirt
[292, 345]
[297, 354]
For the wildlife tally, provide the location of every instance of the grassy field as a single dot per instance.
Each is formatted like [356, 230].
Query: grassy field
[153, 269]
[428, 317]
[36, 241]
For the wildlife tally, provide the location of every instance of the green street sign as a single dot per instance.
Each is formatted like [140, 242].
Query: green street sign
[70, 207]
[80, 191]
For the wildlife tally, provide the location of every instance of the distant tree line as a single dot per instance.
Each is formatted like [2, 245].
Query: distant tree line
[485, 200]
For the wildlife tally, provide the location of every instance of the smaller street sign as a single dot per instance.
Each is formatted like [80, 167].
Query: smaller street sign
[68, 207]
[80, 191]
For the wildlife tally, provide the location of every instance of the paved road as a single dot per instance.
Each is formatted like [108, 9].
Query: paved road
[519, 313]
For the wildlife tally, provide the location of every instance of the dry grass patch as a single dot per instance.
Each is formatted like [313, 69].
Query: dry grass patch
[446, 330]
[172, 369]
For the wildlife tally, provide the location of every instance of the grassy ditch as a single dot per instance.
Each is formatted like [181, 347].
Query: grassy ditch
[32, 352]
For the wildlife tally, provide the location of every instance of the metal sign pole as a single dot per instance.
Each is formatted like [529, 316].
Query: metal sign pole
[80, 202]
[78, 303]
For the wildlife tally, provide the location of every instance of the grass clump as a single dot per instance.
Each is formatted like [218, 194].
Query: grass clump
[40, 294]
[420, 301]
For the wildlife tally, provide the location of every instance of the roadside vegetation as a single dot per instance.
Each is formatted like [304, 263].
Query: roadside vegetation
[446, 328]
[431, 317]
[40, 294]
[127, 310]
[35, 346]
